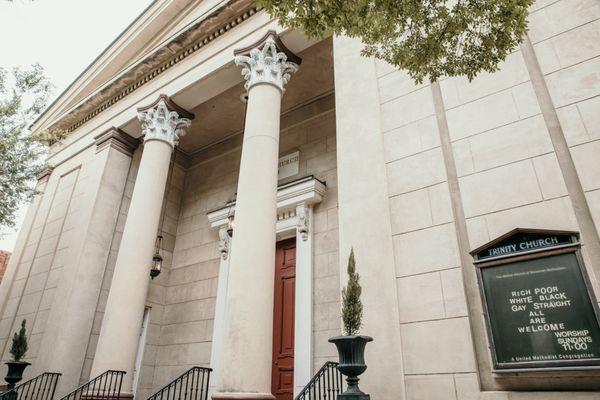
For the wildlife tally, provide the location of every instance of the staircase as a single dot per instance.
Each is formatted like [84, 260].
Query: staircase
[191, 385]
[41, 387]
[106, 386]
[327, 384]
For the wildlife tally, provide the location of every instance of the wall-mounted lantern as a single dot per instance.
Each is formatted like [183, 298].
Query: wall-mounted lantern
[157, 259]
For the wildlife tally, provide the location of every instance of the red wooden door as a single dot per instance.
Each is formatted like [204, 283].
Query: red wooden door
[282, 381]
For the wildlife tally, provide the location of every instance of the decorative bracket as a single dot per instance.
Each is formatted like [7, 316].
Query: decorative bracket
[224, 243]
[302, 224]
[117, 139]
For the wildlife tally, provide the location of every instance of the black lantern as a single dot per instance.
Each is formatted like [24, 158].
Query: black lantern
[156, 259]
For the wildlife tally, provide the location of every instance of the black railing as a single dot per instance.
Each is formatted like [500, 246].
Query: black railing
[104, 387]
[41, 387]
[191, 385]
[326, 384]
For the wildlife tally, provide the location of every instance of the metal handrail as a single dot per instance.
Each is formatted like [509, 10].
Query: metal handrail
[191, 385]
[42, 387]
[106, 386]
[326, 384]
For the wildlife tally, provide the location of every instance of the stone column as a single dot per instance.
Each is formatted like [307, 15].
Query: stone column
[162, 124]
[244, 367]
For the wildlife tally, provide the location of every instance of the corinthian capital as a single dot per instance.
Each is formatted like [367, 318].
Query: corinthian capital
[267, 61]
[164, 120]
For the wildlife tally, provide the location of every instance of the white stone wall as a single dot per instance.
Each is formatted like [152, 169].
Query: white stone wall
[508, 176]
[188, 297]
[566, 38]
[46, 253]
[434, 327]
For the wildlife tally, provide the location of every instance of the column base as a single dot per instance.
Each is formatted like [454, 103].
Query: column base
[242, 396]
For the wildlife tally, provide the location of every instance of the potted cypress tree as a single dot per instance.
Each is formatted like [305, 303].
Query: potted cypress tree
[351, 346]
[18, 350]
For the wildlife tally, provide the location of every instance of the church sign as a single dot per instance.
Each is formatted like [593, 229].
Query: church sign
[288, 165]
[540, 310]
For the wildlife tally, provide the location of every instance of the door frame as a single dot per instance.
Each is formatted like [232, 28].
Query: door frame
[295, 201]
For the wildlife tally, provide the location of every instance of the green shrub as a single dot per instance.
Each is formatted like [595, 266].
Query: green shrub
[19, 343]
[352, 309]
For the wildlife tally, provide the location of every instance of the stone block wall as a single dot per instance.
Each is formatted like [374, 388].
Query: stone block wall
[566, 38]
[508, 176]
[437, 351]
[189, 289]
[39, 267]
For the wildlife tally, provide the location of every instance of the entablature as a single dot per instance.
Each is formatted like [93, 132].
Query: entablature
[306, 191]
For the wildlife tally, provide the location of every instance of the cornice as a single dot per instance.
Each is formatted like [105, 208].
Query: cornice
[117, 139]
[160, 60]
[308, 191]
[44, 175]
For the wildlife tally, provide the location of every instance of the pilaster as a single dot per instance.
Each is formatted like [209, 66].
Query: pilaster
[115, 138]
[362, 185]
[64, 344]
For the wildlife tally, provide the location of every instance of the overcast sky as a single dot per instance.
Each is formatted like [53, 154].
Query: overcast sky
[64, 36]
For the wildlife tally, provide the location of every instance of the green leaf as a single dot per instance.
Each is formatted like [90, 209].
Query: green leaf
[429, 39]
[19, 343]
[22, 98]
[352, 309]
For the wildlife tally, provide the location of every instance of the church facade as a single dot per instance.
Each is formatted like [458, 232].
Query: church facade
[252, 159]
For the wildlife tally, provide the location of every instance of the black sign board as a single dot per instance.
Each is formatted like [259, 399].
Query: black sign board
[540, 310]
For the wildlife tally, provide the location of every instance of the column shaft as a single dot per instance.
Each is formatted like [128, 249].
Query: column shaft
[246, 351]
[162, 124]
[119, 337]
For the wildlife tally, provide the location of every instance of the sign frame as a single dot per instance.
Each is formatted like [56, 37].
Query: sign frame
[574, 246]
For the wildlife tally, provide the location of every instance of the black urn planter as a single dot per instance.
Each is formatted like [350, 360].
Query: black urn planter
[15, 372]
[351, 350]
